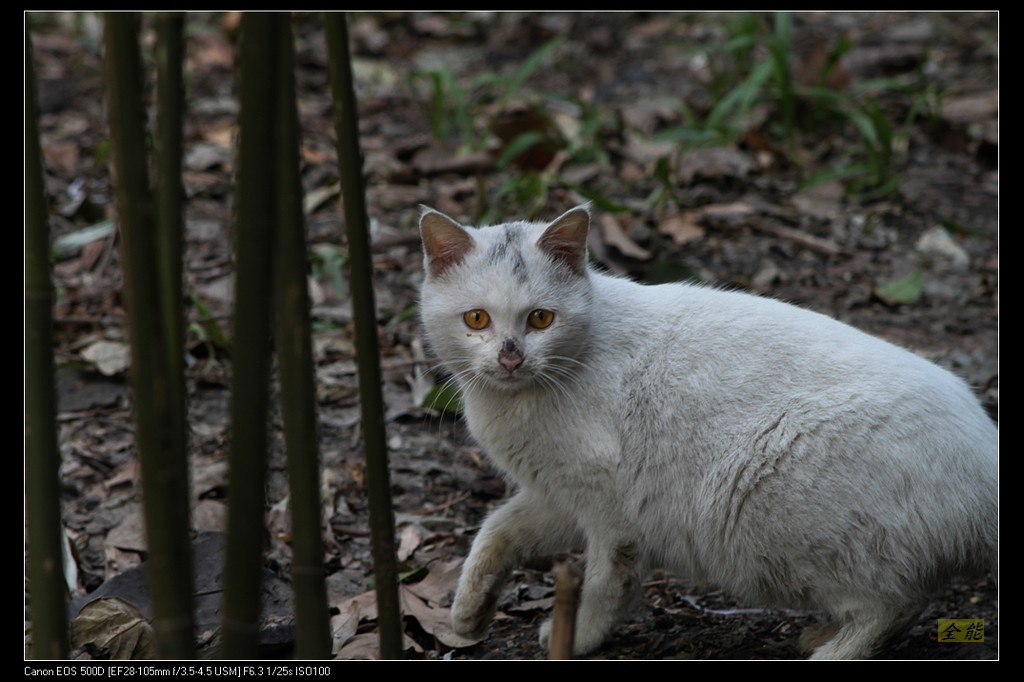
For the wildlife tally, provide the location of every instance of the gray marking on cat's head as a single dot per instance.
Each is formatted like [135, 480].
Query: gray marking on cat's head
[509, 250]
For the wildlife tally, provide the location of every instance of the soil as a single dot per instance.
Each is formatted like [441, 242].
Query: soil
[733, 214]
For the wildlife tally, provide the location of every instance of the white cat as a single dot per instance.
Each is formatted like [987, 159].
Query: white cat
[785, 456]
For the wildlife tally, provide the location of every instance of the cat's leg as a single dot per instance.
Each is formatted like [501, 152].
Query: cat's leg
[860, 632]
[521, 529]
[814, 635]
[611, 582]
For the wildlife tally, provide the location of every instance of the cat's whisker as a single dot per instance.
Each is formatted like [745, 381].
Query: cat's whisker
[452, 379]
[554, 380]
[558, 373]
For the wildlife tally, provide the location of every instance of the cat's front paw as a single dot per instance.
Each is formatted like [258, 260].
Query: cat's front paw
[472, 613]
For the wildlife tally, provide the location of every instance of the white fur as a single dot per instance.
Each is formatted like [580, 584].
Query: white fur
[787, 457]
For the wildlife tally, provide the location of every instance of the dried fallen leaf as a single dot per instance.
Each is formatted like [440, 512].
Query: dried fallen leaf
[109, 357]
[440, 583]
[365, 605]
[130, 533]
[614, 235]
[210, 515]
[714, 163]
[436, 621]
[114, 624]
[209, 476]
[343, 628]
[682, 228]
[938, 242]
[128, 474]
[542, 604]
[336, 382]
[822, 201]
[62, 156]
[222, 133]
[364, 647]
[421, 601]
[409, 538]
[318, 196]
[971, 108]
[429, 617]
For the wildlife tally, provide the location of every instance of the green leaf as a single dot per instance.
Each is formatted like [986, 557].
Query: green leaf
[414, 575]
[844, 173]
[328, 262]
[599, 200]
[444, 398]
[531, 64]
[841, 47]
[522, 143]
[903, 290]
[207, 331]
[685, 133]
[741, 98]
[404, 315]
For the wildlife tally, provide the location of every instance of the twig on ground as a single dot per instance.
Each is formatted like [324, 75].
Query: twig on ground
[563, 624]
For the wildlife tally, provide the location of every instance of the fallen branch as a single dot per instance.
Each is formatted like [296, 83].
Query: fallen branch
[563, 621]
[819, 244]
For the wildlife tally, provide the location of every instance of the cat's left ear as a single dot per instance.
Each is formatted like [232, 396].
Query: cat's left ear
[566, 238]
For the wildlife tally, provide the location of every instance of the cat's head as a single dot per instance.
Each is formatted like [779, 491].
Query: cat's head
[507, 307]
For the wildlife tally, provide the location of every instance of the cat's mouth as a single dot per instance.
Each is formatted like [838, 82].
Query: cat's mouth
[502, 378]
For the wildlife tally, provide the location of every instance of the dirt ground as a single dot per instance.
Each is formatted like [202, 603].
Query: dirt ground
[918, 267]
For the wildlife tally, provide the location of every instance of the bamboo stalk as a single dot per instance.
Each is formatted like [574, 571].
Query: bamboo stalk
[382, 522]
[157, 393]
[42, 456]
[293, 343]
[250, 351]
[170, 205]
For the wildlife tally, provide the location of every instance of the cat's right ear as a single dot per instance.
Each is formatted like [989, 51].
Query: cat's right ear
[445, 242]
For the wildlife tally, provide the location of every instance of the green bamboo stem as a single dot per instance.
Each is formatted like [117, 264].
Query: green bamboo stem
[154, 392]
[382, 522]
[293, 343]
[170, 207]
[250, 352]
[42, 457]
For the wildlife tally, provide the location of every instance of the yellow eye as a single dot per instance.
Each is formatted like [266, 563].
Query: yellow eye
[476, 318]
[541, 319]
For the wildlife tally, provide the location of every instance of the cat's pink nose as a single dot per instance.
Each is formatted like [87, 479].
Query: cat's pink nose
[509, 359]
